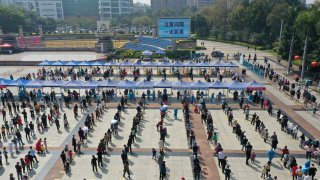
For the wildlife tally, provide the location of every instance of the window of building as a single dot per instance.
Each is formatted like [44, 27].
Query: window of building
[114, 4]
[106, 4]
[115, 10]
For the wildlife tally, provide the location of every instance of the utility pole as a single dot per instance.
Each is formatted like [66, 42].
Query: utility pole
[290, 53]
[279, 57]
[281, 27]
[304, 57]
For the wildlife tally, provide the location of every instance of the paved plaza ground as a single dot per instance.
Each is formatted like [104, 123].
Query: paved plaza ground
[178, 155]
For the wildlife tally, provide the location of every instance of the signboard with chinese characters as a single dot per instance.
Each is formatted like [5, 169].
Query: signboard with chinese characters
[174, 27]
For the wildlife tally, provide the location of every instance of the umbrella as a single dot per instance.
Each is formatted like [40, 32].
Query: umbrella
[97, 63]
[147, 53]
[45, 63]
[114, 121]
[72, 63]
[84, 63]
[126, 64]
[160, 52]
[58, 63]
[6, 45]
[111, 63]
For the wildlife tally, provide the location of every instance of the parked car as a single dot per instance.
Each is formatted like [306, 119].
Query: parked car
[217, 54]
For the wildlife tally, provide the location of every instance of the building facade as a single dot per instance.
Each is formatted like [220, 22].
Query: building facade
[203, 3]
[82, 8]
[69, 8]
[176, 6]
[140, 7]
[109, 9]
[44, 8]
[50, 9]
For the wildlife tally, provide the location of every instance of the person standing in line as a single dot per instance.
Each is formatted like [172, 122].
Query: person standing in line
[74, 143]
[5, 153]
[65, 121]
[175, 113]
[33, 154]
[253, 157]
[24, 113]
[23, 165]
[312, 171]
[129, 144]
[27, 163]
[94, 163]
[57, 124]
[19, 171]
[11, 177]
[27, 131]
[3, 114]
[154, 153]
[31, 125]
[197, 171]
[19, 137]
[100, 162]
[79, 147]
[227, 173]
[124, 156]
[224, 164]
[195, 149]
[248, 149]
[126, 169]
[63, 157]
[161, 145]
[163, 170]
[81, 134]
[221, 156]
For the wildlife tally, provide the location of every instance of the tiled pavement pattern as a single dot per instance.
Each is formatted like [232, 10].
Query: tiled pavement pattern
[177, 154]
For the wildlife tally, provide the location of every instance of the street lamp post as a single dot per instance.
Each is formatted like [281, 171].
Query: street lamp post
[290, 53]
[281, 27]
[304, 58]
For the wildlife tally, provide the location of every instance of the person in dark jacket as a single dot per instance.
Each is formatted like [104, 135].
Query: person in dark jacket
[163, 170]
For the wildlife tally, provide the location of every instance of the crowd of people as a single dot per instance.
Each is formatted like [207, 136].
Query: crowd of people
[39, 102]
[294, 88]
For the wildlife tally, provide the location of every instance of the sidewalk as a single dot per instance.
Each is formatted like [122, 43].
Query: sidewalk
[306, 127]
[285, 64]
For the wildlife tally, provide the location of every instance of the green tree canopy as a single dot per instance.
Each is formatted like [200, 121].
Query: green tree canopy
[142, 20]
[11, 17]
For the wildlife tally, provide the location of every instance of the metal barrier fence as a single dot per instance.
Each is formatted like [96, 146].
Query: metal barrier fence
[254, 69]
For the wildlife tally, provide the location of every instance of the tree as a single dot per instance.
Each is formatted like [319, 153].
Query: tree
[142, 20]
[165, 13]
[200, 26]
[278, 13]
[305, 21]
[10, 18]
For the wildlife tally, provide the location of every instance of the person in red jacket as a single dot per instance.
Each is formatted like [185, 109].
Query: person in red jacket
[285, 150]
[293, 172]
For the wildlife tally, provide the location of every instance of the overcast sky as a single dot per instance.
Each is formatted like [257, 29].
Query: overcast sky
[143, 1]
